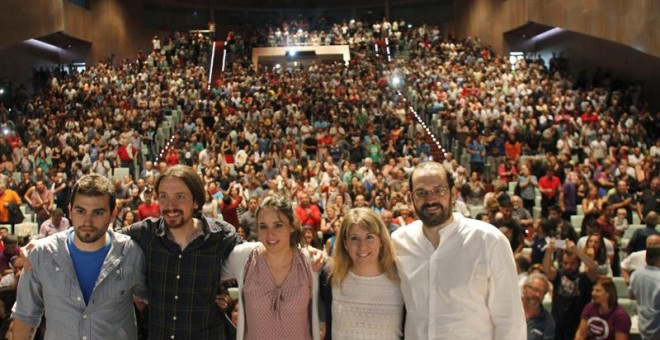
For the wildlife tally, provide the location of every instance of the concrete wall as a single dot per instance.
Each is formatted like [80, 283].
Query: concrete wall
[634, 23]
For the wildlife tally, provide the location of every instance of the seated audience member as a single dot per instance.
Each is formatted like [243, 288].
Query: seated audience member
[458, 205]
[594, 228]
[11, 279]
[596, 250]
[540, 325]
[10, 250]
[56, 223]
[637, 260]
[523, 263]
[645, 288]
[311, 238]
[620, 222]
[519, 212]
[603, 318]
[402, 214]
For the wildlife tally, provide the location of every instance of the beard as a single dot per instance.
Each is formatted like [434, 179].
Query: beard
[174, 223]
[89, 236]
[431, 220]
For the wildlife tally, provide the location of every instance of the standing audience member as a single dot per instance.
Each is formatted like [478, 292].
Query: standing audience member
[637, 260]
[484, 302]
[61, 191]
[550, 186]
[7, 197]
[362, 297]
[638, 239]
[40, 198]
[645, 288]
[82, 279]
[603, 318]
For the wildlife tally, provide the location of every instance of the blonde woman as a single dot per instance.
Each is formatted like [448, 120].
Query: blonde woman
[363, 294]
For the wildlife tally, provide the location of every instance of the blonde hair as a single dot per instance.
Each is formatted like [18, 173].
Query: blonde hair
[370, 221]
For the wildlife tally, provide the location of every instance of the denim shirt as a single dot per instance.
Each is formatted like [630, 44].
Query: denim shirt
[51, 287]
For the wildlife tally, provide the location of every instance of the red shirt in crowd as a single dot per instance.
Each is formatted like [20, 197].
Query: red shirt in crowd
[172, 158]
[148, 210]
[122, 153]
[309, 215]
[549, 182]
[230, 211]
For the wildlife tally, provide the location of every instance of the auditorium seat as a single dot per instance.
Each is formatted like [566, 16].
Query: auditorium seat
[576, 220]
[120, 173]
[621, 287]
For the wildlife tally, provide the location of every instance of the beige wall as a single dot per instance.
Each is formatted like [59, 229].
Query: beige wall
[77, 22]
[117, 27]
[111, 26]
[635, 23]
[21, 20]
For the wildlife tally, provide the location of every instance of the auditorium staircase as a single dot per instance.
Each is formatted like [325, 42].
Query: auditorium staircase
[218, 61]
[437, 151]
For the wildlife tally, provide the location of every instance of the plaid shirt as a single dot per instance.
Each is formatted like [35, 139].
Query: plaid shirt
[183, 284]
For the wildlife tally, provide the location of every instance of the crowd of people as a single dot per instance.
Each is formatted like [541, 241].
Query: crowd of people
[333, 138]
[357, 33]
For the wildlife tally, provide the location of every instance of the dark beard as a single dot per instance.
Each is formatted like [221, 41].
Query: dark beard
[433, 220]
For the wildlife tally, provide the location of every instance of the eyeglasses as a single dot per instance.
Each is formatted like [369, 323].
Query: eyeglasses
[437, 191]
[536, 289]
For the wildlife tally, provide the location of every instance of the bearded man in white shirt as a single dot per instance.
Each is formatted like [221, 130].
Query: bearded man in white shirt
[458, 276]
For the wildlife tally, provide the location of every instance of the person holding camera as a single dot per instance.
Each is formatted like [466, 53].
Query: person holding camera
[572, 288]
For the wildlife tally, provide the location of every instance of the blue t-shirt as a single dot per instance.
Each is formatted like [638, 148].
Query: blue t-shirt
[87, 265]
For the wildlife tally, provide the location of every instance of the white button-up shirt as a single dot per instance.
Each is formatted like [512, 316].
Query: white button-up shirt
[465, 289]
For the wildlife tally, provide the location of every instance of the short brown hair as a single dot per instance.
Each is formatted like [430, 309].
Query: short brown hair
[94, 185]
